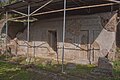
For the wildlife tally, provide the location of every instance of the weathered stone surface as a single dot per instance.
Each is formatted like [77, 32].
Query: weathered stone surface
[81, 32]
[2, 23]
[47, 62]
[71, 66]
[104, 63]
[105, 67]
[109, 23]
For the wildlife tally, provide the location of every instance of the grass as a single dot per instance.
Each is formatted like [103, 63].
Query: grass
[9, 71]
[80, 70]
[116, 71]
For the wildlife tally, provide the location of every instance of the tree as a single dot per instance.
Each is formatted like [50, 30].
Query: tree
[7, 2]
[12, 1]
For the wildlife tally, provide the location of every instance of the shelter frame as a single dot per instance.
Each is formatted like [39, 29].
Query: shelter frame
[31, 14]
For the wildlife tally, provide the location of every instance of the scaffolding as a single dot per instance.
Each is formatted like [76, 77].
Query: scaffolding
[34, 13]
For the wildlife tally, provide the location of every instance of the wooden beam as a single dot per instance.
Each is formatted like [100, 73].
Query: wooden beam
[116, 1]
[68, 9]
[16, 18]
[75, 8]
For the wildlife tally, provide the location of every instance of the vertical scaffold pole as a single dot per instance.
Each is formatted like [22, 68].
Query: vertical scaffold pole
[28, 31]
[64, 25]
[6, 32]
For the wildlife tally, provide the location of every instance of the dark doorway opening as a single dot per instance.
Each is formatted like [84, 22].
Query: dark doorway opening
[52, 39]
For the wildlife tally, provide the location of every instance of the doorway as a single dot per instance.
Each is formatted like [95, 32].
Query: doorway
[52, 39]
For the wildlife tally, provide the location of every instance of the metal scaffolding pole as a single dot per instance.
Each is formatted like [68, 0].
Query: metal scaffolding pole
[6, 32]
[41, 7]
[64, 25]
[68, 9]
[28, 32]
[28, 28]
[19, 13]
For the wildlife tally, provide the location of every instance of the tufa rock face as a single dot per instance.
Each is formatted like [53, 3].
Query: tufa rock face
[104, 63]
[105, 68]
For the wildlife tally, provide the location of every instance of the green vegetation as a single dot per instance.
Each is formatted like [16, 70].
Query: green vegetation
[116, 72]
[13, 71]
[81, 70]
[117, 69]
[8, 71]
[6, 2]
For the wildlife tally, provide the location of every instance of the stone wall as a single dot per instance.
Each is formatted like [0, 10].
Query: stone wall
[87, 38]
[118, 36]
